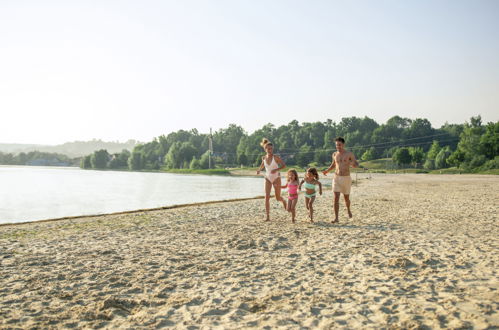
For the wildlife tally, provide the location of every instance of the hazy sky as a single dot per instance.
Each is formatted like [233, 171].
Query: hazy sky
[118, 70]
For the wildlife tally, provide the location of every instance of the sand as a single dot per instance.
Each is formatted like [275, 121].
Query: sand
[421, 251]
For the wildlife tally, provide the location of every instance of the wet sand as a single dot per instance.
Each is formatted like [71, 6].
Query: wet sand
[421, 251]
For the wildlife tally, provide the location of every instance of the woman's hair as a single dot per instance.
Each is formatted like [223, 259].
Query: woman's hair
[265, 142]
[292, 172]
[313, 170]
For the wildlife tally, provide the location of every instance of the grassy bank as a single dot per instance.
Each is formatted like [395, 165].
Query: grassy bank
[213, 171]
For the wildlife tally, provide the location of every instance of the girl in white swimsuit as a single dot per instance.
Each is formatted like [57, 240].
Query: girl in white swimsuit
[272, 165]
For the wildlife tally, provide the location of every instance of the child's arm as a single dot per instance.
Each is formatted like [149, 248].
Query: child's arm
[285, 186]
[299, 187]
[320, 187]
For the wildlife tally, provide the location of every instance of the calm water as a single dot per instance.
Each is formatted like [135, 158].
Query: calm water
[36, 193]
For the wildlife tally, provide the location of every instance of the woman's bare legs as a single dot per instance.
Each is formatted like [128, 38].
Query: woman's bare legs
[268, 188]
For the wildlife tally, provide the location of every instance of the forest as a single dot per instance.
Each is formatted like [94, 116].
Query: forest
[408, 143]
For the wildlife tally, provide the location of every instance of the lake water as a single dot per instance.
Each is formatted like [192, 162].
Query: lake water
[37, 193]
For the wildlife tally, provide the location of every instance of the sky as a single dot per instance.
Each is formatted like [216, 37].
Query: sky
[120, 70]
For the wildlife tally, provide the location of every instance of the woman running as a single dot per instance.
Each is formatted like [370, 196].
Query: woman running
[272, 164]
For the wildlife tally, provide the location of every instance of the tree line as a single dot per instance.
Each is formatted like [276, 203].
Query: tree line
[409, 142]
[37, 158]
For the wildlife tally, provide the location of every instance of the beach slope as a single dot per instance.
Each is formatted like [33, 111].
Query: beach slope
[421, 251]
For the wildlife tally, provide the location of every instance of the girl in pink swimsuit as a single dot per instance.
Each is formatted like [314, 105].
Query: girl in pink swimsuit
[292, 185]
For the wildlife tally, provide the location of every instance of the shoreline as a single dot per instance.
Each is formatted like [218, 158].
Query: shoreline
[327, 185]
[132, 211]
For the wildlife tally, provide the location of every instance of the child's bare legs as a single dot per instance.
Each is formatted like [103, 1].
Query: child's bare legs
[336, 206]
[311, 208]
[268, 188]
[292, 208]
[347, 203]
[277, 189]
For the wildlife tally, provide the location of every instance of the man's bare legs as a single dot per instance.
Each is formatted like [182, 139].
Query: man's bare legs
[347, 203]
[336, 206]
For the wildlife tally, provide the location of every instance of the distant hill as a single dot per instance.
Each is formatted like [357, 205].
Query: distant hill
[70, 149]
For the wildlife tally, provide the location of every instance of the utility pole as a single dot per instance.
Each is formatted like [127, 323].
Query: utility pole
[210, 146]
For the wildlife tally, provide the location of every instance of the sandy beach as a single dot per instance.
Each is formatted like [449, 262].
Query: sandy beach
[420, 252]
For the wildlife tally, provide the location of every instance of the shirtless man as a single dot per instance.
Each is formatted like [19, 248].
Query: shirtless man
[342, 160]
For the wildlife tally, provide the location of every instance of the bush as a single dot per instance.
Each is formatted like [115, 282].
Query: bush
[204, 161]
[195, 164]
[369, 154]
[429, 164]
[442, 157]
[477, 161]
[491, 164]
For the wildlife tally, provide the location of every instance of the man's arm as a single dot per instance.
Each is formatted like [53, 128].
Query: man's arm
[353, 160]
[333, 165]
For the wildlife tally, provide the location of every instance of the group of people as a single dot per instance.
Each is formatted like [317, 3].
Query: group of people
[342, 160]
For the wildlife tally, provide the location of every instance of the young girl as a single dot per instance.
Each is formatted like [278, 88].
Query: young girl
[310, 181]
[292, 185]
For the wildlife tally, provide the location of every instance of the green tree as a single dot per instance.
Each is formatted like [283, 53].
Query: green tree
[136, 161]
[172, 158]
[442, 157]
[429, 164]
[489, 141]
[85, 162]
[417, 155]
[204, 161]
[369, 154]
[456, 158]
[195, 164]
[305, 156]
[99, 159]
[242, 159]
[434, 150]
[402, 156]
[186, 152]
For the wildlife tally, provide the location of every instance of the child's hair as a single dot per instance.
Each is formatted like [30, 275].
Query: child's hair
[313, 170]
[292, 172]
[265, 142]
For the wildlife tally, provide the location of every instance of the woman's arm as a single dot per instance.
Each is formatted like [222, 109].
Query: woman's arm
[260, 168]
[280, 164]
